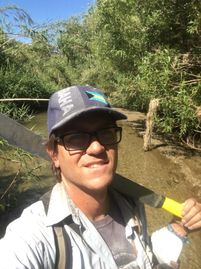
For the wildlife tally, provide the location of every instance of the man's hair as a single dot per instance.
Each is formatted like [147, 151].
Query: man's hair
[51, 145]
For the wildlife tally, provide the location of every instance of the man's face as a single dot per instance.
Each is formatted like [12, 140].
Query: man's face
[91, 169]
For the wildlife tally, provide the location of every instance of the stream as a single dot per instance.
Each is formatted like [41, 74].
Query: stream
[167, 169]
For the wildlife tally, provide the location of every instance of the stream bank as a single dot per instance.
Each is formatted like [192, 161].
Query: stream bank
[188, 160]
[168, 169]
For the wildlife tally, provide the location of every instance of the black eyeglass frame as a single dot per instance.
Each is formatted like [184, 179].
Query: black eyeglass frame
[60, 138]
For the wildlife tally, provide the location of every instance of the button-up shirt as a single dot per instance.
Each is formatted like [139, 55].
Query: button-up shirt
[29, 240]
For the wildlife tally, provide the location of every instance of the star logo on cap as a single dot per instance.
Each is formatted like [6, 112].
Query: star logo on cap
[96, 97]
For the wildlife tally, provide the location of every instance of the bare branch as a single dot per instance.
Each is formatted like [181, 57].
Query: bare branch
[11, 184]
[23, 99]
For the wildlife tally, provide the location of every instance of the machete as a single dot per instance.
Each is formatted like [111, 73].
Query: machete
[18, 135]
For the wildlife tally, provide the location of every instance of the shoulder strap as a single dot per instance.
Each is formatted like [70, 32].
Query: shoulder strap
[62, 241]
[143, 219]
[63, 248]
[45, 198]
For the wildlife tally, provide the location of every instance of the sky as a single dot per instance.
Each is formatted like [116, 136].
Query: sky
[50, 10]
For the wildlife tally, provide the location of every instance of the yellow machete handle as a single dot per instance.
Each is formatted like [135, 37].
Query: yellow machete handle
[173, 207]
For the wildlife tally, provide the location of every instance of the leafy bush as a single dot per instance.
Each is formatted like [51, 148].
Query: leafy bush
[151, 52]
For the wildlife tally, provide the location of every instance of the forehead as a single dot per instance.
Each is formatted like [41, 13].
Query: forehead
[88, 122]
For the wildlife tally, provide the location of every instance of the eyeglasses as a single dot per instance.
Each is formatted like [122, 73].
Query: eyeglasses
[81, 140]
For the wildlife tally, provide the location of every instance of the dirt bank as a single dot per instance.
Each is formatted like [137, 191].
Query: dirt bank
[168, 169]
[188, 160]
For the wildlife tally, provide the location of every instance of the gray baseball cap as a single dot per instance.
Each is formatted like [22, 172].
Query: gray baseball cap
[74, 101]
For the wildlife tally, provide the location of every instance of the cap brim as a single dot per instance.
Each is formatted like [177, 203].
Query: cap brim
[116, 115]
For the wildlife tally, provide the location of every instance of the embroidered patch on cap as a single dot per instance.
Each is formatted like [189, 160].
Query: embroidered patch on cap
[96, 97]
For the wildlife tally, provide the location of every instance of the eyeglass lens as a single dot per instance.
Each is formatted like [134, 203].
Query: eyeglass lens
[81, 140]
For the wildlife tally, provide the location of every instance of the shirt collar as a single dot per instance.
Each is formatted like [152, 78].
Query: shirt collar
[60, 206]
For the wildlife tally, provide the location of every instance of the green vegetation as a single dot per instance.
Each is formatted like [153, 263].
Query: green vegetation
[134, 50]
[20, 173]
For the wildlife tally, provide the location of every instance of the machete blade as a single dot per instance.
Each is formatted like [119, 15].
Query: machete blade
[18, 135]
[133, 189]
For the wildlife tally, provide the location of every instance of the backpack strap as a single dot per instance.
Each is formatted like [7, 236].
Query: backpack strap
[45, 198]
[62, 241]
[63, 248]
[143, 219]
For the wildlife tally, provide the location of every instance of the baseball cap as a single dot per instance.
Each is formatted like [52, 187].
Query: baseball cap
[72, 102]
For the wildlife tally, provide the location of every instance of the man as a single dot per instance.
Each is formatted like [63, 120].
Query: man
[83, 222]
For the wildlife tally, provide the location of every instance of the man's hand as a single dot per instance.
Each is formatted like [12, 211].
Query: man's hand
[191, 214]
[191, 218]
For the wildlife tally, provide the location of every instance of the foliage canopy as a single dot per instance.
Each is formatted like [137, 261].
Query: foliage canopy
[134, 50]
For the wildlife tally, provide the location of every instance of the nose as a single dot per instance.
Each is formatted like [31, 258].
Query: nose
[95, 147]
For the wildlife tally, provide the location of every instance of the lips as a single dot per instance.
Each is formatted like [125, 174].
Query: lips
[95, 164]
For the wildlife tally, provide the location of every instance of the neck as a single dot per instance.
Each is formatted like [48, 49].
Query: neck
[94, 204]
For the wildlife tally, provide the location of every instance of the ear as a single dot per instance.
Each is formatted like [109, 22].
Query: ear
[53, 156]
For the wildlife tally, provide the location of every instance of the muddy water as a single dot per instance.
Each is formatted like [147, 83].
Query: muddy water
[154, 170]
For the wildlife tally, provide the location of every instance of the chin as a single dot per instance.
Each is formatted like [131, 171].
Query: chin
[102, 181]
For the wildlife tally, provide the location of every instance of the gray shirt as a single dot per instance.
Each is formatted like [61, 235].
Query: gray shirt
[113, 227]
